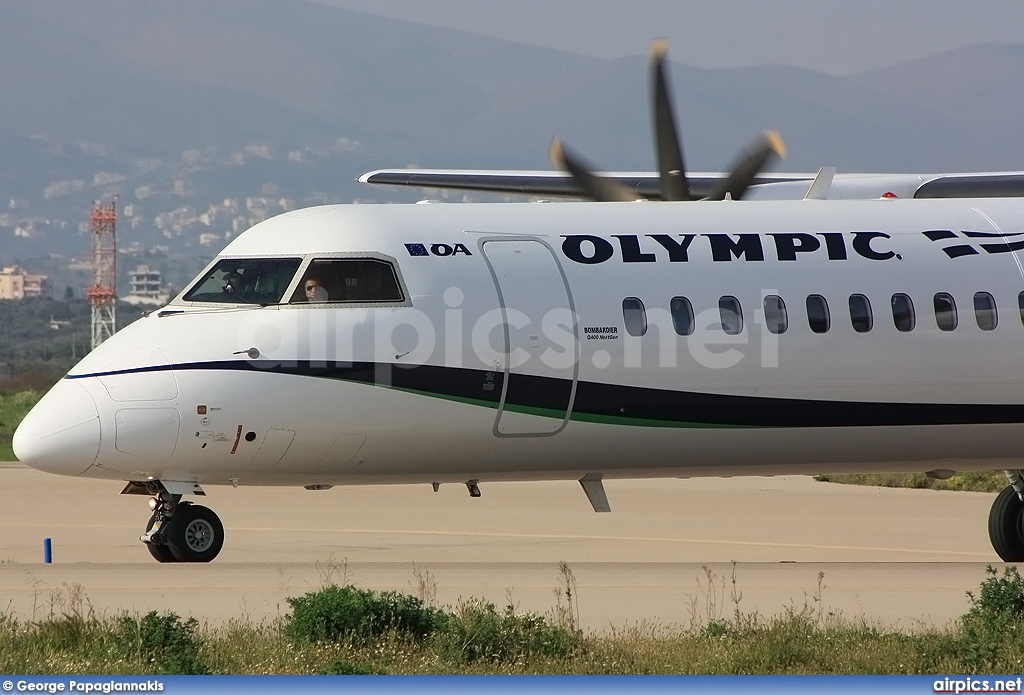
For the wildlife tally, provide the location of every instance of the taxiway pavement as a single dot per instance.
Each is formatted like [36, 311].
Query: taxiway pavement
[889, 556]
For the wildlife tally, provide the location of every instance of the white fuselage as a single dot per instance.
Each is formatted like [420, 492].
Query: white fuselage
[510, 355]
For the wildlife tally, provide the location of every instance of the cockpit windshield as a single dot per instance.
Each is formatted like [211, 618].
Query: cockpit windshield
[245, 281]
[359, 280]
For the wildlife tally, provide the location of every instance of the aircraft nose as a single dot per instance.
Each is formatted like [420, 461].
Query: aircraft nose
[61, 434]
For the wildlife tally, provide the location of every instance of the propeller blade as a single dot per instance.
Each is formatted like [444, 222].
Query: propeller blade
[674, 185]
[599, 188]
[746, 168]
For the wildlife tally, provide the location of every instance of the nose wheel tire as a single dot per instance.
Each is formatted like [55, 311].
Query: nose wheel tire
[161, 553]
[194, 534]
[1004, 526]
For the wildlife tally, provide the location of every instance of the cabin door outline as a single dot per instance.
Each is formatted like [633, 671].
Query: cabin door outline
[529, 278]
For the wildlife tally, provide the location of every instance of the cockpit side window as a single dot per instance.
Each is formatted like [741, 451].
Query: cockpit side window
[356, 280]
[245, 281]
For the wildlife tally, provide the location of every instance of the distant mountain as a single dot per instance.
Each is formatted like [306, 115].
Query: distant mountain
[980, 89]
[205, 117]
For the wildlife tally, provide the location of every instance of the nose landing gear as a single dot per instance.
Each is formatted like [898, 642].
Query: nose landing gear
[181, 531]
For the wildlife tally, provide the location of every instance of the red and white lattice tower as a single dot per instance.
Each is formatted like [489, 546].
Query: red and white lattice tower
[103, 293]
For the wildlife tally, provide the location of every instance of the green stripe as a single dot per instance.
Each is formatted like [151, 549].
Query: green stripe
[621, 420]
[627, 420]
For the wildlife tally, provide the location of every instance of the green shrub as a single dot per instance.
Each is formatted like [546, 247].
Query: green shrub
[999, 599]
[995, 618]
[476, 631]
[716, 627]
[343, 667]
[920, 481]
[337, 613]
[13, 409]
[67, 633]
[975, 481]
[163, 640]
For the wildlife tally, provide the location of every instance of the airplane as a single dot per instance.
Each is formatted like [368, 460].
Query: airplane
[468, 344]
[346, 345]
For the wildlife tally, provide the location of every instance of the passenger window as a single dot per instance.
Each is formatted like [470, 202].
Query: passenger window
[985, 311]
[860, 313]
[732, 315]
[903, 313]
[348, 280]
[945, 311]
[682, 315]
[245, 281]
[776, 319]
[634, 316]
[817, 314]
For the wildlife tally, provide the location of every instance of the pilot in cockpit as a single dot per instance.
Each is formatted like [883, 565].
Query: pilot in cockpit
[233, 283]
[315, 291]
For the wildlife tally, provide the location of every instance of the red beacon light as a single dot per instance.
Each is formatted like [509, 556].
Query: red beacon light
[889, 195]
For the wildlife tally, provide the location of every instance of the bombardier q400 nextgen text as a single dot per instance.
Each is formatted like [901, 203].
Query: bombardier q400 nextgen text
[346, 345]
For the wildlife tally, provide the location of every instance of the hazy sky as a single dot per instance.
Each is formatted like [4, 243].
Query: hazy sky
[831, 36]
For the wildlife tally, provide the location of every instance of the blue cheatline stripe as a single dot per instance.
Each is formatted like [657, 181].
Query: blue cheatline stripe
[615, 403]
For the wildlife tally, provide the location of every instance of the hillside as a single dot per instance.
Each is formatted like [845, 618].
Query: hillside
[205, 118]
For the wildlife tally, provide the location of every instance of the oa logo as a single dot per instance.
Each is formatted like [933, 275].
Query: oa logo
[437, 250]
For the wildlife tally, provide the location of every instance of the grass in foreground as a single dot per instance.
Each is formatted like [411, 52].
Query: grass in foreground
[972, 481]
[348, 630]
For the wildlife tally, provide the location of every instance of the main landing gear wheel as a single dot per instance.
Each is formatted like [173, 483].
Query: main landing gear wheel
[1004, 526]
[159, 551]
[194, 533]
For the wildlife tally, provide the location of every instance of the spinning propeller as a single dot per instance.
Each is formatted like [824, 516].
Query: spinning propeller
[669, 150]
